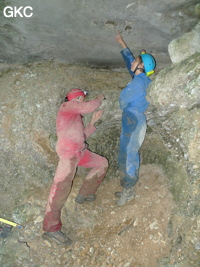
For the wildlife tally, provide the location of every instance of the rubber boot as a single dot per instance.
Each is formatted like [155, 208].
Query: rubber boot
[118, 194]
[58, 237]
[126, 195]
[80, 199]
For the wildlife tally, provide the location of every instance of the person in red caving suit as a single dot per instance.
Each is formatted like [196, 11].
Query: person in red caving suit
[72, 150]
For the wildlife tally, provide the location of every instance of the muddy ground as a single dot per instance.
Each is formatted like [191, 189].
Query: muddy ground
[104, 234]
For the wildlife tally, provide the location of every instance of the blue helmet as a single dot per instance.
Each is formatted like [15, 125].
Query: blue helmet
[149, 63]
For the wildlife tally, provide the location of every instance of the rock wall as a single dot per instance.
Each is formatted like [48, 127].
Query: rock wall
[174, 142]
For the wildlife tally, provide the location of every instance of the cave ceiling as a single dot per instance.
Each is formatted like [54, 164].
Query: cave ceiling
[83, 31]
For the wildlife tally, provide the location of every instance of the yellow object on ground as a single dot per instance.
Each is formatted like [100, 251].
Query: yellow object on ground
[9, 222]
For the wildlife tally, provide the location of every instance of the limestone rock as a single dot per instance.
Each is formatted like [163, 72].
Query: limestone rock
[185, 46]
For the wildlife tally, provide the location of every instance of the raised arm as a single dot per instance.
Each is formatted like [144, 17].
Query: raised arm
[120, 40]
[126, 53]
[82, 107]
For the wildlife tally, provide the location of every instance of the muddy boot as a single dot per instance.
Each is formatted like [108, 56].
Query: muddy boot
[58, 237]
[80, 199]
[118, 194]
[126, 195]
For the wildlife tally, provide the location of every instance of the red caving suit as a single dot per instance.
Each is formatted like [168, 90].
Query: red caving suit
[72, 152]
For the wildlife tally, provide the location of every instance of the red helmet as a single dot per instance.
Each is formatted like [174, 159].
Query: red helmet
[73, 93]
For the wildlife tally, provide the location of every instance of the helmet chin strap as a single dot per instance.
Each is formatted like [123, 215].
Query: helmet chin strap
[137, 69]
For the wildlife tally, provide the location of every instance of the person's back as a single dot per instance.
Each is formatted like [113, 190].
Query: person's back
[69, 124]
[69, 128]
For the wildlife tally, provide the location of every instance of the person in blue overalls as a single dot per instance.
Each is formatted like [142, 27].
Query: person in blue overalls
[133, 104]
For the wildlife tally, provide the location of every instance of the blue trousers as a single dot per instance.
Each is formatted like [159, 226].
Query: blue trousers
[131, 138]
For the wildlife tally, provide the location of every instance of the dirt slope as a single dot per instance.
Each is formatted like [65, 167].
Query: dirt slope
[104, 234]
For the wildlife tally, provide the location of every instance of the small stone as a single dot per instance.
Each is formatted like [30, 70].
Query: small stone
[197, 245]
[91, 250]
[38, 219]
[135, 222]
[113, 254]
[154, 225]
[195, 167]
[47, 243]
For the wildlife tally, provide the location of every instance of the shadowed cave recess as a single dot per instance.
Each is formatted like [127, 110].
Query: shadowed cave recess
[71, 44]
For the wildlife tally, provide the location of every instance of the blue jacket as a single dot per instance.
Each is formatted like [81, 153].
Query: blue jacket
[133, 96]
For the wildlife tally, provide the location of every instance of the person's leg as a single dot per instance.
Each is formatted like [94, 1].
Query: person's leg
[122, 155]
[132, 157]
[94, 178]
[60, 190]
[129, 124]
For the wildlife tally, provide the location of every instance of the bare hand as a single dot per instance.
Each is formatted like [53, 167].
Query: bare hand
[96, 116]
[120, 40]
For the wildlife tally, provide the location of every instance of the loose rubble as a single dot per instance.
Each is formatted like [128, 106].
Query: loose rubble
[103, 233]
